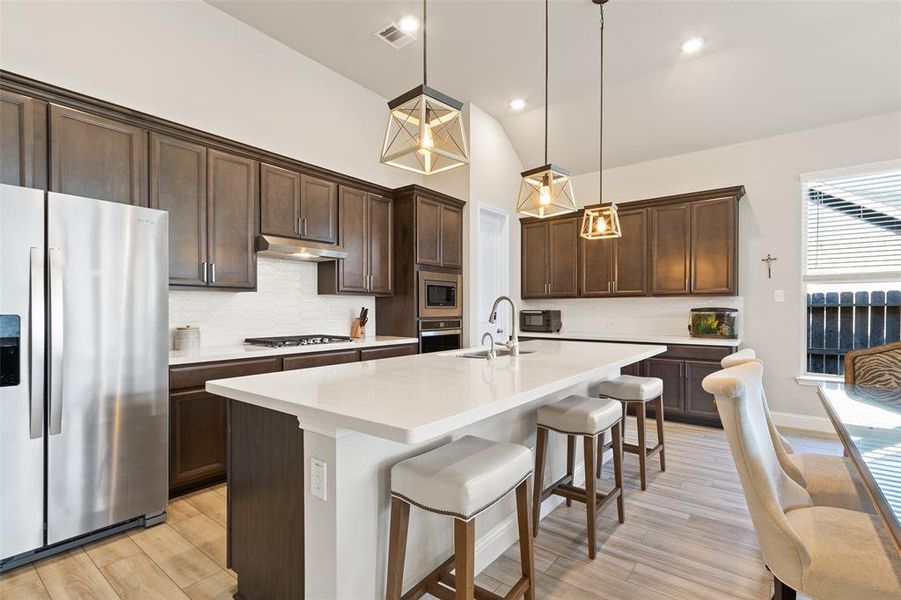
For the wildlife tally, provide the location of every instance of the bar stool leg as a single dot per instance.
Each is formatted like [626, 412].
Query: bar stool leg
[538, 485]
[601, 443]
[570, 460]
[397, 548]
[464, 558]
[618, 471]
[642, 452]
[590, 496]
[658, 408]
[526, 555]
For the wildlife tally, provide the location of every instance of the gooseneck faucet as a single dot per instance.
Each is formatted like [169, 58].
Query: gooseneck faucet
[512, 343]
[492, 354]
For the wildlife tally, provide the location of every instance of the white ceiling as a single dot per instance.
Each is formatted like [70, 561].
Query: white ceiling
[769, 67]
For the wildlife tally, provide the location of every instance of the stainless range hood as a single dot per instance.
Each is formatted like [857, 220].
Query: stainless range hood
[303, 250]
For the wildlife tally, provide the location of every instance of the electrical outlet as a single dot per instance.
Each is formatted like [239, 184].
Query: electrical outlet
[319, 479]
[611, 325]
[778, 295]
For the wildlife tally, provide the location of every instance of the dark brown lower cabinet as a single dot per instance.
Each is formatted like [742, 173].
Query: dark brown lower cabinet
[388, 352]
[670, 371]
[700, 403]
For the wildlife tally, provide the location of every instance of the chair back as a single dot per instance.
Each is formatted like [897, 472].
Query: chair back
[878, 366]
[768, 489]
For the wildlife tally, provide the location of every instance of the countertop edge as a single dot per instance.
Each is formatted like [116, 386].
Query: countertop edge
[636, 339]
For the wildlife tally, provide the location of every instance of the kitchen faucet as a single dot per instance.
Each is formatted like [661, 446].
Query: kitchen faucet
[492, 354]
[512, 343]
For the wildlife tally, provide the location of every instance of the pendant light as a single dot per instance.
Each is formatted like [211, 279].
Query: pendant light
[546, 190]
[601, 222]
[425, 128]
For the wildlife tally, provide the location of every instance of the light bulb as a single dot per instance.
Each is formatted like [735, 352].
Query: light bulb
[427, 140]
[544, 194]
[601, 226]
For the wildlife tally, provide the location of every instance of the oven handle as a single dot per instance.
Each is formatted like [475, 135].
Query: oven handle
[434, 332]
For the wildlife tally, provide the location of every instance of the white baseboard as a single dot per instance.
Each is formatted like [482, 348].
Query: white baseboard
[803, 422]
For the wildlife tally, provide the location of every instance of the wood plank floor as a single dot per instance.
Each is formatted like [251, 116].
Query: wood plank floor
[687, 537]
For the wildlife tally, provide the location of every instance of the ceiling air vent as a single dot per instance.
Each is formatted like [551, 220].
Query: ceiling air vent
[394, 36]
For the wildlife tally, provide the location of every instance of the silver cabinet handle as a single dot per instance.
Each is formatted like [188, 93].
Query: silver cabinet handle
[213, 272]
[609, 288]
[57, 329]
[304, 225]
[297, 225]
[203, 268]
[614, 286]
[687, 284]
[36, 343]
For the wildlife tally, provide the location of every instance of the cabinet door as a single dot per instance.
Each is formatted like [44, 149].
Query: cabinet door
[670, 371]
[699, 403]
[534, 260]
[596, 271]
[23, 140]
[713, 235]
[307, 361]
[670, 249]
[318, 210]
[279, 202]
[563, 267]
[178, 185]
[97, 158]
[451, 237]
[232, 189]
[380, 235]
[197, 440]
[353, 271]
[630, 255]
[428, 232]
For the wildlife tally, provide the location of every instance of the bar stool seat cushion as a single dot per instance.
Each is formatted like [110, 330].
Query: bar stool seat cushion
[580, 415]
[630, 388]
[832, 481]
[462, 478]
[851, 555]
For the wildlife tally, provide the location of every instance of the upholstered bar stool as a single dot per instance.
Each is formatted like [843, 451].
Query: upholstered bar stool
[460, 480]
[589, 418]
[629, 389]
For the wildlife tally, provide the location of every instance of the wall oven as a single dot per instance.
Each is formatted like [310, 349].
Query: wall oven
[440, 335]
[440, 295]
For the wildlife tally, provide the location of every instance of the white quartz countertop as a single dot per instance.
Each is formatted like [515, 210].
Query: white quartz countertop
[413, 399]
[638, 338]
[216, 353]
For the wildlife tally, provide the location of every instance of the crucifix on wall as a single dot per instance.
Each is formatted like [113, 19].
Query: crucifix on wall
[769, 260]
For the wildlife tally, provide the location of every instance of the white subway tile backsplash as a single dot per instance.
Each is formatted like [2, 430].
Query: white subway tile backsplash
[285, 303]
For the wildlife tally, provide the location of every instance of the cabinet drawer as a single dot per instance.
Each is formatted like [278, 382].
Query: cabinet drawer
[191, 376]
[306, 361]
[376, 353]
[708, 353]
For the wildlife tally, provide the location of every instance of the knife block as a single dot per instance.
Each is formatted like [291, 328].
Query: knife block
[357, 331]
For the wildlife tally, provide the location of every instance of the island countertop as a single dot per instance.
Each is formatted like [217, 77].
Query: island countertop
[413, 399]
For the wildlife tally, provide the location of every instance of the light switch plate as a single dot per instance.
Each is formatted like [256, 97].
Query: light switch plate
[611, 325]
[319, 479]
[778, 295]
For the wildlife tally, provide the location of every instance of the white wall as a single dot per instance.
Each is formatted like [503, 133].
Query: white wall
[770, 221]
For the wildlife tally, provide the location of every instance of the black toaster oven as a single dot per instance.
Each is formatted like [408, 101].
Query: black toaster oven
[544, 321]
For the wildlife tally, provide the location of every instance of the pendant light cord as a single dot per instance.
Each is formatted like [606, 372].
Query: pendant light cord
[546, 76]
[425, 58]
[601, 133]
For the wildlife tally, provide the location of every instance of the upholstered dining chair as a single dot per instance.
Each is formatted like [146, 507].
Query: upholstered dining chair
[830, 480]
[879, 366]
[824, 552]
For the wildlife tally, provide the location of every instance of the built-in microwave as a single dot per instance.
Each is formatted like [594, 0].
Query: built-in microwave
[440, 295]
[545, 321]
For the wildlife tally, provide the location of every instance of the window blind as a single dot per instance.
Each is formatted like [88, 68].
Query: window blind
[854, 225]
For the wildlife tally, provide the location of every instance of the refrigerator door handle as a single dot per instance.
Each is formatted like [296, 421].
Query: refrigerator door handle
[36, 343]
[56, 342]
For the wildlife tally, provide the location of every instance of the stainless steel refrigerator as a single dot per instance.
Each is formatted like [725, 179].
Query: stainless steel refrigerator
[83, 370]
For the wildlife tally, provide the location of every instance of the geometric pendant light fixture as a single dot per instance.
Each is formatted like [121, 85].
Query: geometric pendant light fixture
[425, 130]
[546, 190]
[602, 221]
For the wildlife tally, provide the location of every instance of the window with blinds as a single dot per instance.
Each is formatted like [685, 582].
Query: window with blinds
[854, 225]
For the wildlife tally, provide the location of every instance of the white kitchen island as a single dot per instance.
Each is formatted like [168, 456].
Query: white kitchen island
[358, 420]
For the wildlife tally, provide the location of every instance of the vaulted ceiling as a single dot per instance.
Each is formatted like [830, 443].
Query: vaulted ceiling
[768, 67]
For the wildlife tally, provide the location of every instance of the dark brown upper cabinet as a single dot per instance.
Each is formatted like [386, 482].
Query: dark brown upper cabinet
[365, 233]
[232, 195]
[439, 234]
[23, 140]
[550, 258]
[617, 266]
[713, 246]
[670, 249]
[178, 179]
[298, 206]
[97, 157]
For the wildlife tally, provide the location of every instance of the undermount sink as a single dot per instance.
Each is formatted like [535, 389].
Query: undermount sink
[484, 353]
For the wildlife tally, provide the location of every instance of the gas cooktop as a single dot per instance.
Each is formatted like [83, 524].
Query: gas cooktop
[296, 340]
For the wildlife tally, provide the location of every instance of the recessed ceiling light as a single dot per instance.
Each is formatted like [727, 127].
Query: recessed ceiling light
[693, 45]
[517, 104]
[409, 23]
